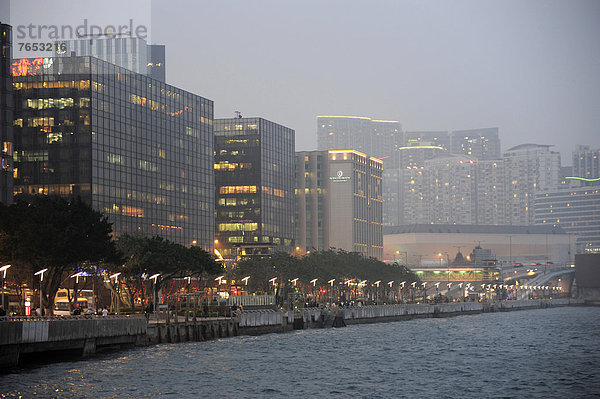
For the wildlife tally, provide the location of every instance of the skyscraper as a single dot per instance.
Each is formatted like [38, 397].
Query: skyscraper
[586, 164]
[339, 202]
[529, 169]
[6, 116]
[452, 190]
[134, 148]
[371, 136]
[483, 144]
[254, 174]
[427, 138]
[405, 189]
[131, 53]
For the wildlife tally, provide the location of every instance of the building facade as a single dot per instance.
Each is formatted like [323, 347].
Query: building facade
[452, 190]
[131, 53]
[254, 174]
[135, 148]
[6, 116]
[339, 202]
[576, 210]
[529, 169]
[586, 164]
[423, 243]
[372, 136]
[481, 144]
[427, 138]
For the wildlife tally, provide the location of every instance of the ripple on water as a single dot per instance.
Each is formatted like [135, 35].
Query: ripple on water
[537, 353]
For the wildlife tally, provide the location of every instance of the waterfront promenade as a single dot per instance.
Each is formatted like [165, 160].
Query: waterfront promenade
[25, 339]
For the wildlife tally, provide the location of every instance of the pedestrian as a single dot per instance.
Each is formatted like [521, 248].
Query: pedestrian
[104, 312]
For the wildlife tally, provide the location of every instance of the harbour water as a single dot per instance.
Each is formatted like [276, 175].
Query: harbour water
[534, 353]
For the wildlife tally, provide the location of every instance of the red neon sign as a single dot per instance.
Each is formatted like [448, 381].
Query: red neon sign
[27, 67]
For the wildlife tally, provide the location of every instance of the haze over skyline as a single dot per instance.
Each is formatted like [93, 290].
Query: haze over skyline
[528, 68]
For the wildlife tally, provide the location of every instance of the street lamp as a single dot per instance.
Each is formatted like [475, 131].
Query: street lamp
[41, 274]
[116, 277]
[3, 269]
[154, 277]
[245, 280]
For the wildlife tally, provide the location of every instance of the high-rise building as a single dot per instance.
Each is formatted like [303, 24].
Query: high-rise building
[371, 136]
[6, 116]
[586, 164]
[491, 192]
[254, 174]
[156, 62]
[576, 211]
[339, 202]
[452, 190]
[131, 53]
[134, 148]
[483, 144]
[405, 190]
[427, 138]
[529, 169]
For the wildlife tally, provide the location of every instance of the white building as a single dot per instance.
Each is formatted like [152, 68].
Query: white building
[529, 169]
[339, 202]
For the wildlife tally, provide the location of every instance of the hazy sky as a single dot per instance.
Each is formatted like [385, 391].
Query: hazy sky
[531, 68]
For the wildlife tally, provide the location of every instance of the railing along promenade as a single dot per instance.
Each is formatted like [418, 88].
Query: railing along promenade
[24, 339]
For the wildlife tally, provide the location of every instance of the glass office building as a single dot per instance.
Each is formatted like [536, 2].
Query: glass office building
[6, 115]
[254, 174]
[135, 148]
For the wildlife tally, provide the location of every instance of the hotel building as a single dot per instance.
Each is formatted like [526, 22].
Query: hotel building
[339, 202]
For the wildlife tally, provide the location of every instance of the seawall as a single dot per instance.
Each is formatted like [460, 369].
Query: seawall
[24, 340]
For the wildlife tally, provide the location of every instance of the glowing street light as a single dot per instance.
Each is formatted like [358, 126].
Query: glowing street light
[245, 280]
[377, 283]
[41, 274]
[314, 281]
[116, 277]
[402, 284]
[390, 283]
[3, 269]
[154, 277]
[272, 281]
[295, 281]
[331, 282]
[219, 279]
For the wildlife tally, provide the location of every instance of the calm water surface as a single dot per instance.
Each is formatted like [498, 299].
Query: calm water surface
[537, 353]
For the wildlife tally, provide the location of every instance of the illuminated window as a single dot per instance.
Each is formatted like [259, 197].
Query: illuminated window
[132, 211]
[237, 190]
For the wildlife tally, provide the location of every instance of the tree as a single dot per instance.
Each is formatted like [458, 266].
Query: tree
[144, 256]
[38, 232]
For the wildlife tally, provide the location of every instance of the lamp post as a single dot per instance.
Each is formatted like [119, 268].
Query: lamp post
[245, 280]
[116, 277]
[41, 274]
[153, 278]
[331, 289]
[187, 298]
[3, 269]
[376, 283]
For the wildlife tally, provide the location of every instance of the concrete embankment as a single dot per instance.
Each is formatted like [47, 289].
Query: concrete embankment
[28, 339]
